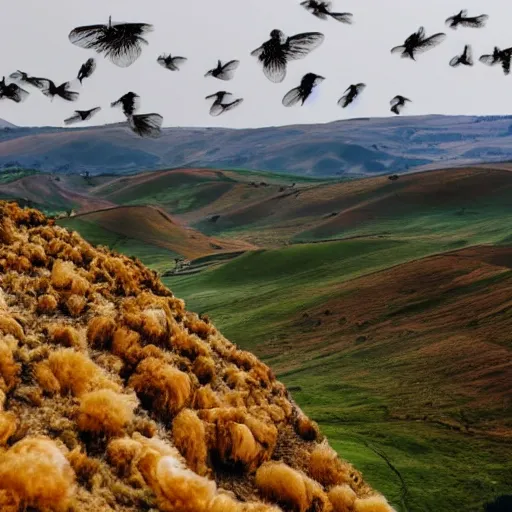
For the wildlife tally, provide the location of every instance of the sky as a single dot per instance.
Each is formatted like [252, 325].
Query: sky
[34, 39]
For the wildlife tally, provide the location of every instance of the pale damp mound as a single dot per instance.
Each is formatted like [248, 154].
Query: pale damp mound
[113, 397]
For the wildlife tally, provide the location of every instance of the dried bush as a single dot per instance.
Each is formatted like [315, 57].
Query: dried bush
[342, 498]
[100, 331]
[38, 474]
[166, 388]
[189, 436]
[105, 412]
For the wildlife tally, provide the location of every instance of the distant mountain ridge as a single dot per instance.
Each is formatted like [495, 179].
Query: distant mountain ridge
[354, 147]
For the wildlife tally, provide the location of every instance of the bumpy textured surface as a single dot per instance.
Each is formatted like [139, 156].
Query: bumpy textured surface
[113, 397]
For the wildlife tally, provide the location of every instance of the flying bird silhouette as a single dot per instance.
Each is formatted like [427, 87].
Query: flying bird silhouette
[466, 58]
[398, 103]
[275, 53]
[224, 72]
[12, 91]
[498, 56]
[322, 10]
[352, 92]
[130, 103]
[120, 42]
[218, 107]
[51, 90]
[86, 69]
[81, 115]
[418, 43]
[146, 125]
[301, 93]
[30, 80]
[171, 63]
[464, 20]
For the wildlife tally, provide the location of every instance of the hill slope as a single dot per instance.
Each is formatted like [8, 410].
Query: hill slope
[349, 147]
[153, 226]
[114, 397]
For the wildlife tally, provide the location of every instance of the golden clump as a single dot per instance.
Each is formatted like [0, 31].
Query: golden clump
[115, 398]
[189, 436]
[76, 373]
[105, 412]
[47, 304]
[279, 482]
[38, 474]
[9, 325]
[67, 336]
[9, 368]
[306, 427]
[166, 388]
[327, 468]
[342, 498]
[100, 331]
[204, 369]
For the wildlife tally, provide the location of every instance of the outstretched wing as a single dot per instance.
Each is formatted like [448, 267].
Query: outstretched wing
[395, 100]
[90, 65]
[398, 49]
[292, 97]
[146, 125]
[228, 70]
[73, 119]
[88, 36]
[232, 105]
[449, 21]
[17, 75]
[300, 45]
[488, 59]
[179, 60]
[37, 81]
[122, 43]
[216, 109]
[342, 17]
[430, 42]
[93, 111]
[455, 61]
[258, 51]
[360, 87]
[344, 101]
[475, 22]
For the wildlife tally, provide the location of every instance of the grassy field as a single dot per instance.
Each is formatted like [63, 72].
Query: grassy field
[358, 391]
[394, 338]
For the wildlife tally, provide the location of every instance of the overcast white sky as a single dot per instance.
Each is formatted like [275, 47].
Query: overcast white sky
[34, 39]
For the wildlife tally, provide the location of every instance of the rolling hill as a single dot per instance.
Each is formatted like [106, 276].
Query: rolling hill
[152, 226]
[383, 305]
[353, 147]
